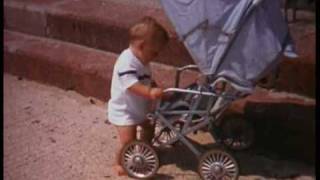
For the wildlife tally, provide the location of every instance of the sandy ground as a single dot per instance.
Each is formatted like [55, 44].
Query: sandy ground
[54, 134]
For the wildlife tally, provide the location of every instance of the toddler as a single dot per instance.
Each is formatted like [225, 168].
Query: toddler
[131, 90]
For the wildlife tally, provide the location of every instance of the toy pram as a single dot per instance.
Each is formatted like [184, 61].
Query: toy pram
[234, 43]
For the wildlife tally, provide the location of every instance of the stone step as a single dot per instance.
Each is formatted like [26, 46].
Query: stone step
[103, 24]
[98, 24]
[70, 66]
[65, 65]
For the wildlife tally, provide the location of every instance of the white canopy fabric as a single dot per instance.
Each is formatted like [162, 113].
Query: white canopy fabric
[239, 40]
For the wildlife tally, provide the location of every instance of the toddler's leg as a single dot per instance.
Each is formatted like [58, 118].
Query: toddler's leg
[147, 131]
[126, 135]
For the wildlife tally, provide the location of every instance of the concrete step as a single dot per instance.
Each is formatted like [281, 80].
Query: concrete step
[108, 20]
[70, 66]
[103, 24]
[76, 67]
[99, 24]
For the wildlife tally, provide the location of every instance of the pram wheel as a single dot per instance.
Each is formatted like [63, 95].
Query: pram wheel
[217, 164]
[164, 134]
[237, 133]
[139, 160]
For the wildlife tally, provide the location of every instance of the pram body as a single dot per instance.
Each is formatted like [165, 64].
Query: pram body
[233, 42]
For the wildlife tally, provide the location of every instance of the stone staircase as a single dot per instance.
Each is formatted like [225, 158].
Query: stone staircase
[73, 44]
[79, 27]
[103, 25]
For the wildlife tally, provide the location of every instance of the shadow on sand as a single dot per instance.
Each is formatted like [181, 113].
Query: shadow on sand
[267, 157]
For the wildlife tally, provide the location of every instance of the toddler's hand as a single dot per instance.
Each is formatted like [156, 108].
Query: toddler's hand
[168, 96]
[154, 84]
[156, 93]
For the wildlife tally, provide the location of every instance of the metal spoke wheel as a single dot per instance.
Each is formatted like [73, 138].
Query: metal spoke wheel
[217, 164]
[139, 160]
[237, 133]
[165, 134]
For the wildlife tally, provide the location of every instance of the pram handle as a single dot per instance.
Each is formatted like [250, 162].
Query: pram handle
[181, 69]
[197, 92]
[190, 66]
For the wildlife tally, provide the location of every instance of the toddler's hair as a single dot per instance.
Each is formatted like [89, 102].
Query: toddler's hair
[150, 30]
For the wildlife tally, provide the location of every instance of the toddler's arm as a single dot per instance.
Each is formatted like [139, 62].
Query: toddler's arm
[146, 91]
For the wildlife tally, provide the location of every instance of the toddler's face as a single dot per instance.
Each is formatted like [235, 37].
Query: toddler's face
[151, 51]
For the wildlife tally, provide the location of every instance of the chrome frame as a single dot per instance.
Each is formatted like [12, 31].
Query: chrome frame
[216, 105]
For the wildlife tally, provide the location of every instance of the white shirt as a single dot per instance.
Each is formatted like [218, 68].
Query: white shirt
[124, 107]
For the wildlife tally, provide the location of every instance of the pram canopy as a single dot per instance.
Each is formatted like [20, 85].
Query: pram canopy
[239, 40]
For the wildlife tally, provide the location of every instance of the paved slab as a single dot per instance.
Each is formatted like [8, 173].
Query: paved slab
[50, 133]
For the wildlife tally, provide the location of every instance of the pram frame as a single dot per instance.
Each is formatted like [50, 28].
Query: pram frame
[210, 115]
[207, 115]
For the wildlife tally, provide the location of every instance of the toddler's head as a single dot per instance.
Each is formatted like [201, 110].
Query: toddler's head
[147, 38]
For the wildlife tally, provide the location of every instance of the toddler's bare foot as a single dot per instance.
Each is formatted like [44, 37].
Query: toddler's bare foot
[119, 170]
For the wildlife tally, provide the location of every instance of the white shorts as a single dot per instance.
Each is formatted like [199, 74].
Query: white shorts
[124, 119]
